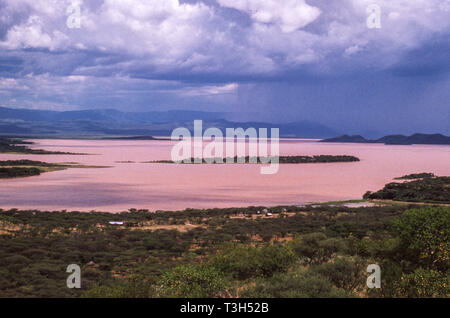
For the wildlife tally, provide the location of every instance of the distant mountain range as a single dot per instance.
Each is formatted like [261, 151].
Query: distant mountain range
[416, 139]
[110, 122]
[105, 115]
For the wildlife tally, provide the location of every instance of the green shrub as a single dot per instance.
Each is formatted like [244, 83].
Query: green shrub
[192, 281]
[135, 287]
[316, 248]
[298, 284]
[425, 283]
[425, 236]
[348, 273]
[243, 262]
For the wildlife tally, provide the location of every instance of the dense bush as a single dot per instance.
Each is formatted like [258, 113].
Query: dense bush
[425, 237]
[244, 262]
[297, 284]
[192, 281]
[347, 273]
[425, 283]
[316, 248]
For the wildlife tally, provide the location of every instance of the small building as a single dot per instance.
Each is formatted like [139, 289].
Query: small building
[115, 223]
[269, 214]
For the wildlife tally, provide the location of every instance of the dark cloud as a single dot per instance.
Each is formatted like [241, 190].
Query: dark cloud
[270, 60]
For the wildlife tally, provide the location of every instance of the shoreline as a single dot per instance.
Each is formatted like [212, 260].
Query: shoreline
[353, 204]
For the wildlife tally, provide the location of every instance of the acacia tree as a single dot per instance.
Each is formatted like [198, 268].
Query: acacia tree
[424, 236]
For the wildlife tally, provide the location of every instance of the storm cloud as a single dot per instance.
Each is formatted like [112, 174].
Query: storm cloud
[255, 59]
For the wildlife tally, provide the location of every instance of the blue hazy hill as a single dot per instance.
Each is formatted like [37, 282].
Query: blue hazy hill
[106, 122]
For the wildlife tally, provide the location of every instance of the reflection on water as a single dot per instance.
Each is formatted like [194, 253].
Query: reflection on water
[134, 184]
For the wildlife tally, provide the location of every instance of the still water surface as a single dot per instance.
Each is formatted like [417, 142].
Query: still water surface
[174, 187]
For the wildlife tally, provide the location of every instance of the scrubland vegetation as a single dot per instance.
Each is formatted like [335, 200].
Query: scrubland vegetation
[298, 252]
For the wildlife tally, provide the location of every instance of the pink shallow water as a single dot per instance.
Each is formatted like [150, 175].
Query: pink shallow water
[174, 187]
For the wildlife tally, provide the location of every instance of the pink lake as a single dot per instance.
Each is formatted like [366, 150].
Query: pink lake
[174, 187]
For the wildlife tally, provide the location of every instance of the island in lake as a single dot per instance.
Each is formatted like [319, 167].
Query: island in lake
[255, 160]
[416, 139]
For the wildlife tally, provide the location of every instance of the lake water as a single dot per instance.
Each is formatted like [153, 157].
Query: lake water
[174, 187]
